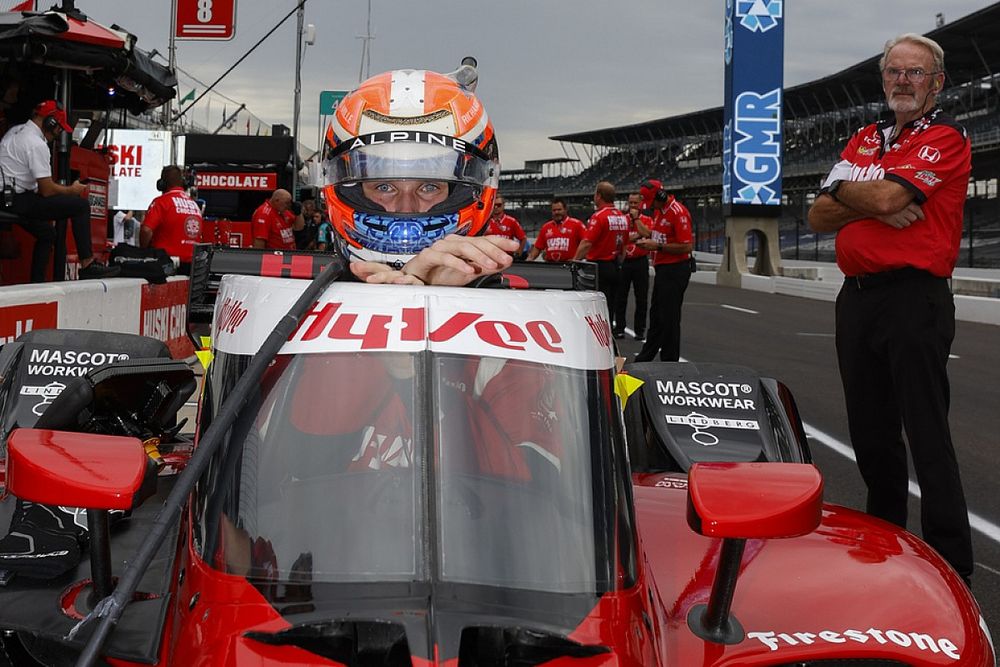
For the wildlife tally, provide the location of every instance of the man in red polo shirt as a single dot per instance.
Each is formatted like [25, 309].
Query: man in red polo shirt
[896, 201]
[275, 221]
[504, 225]
[173, 220]
[559, 237]
[671, 242]
[604, 242]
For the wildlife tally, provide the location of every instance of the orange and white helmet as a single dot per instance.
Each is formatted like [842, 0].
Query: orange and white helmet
[409, 158]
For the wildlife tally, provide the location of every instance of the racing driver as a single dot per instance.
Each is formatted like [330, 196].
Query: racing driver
[411, 167]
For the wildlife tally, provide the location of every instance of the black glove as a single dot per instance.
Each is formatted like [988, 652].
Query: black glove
[43, 542]
[296, 207]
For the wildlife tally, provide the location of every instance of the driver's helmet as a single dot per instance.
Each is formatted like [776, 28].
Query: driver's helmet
[416, 129]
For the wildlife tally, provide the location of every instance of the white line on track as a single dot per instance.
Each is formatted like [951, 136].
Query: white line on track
[984, 526]
[817, 335]
[742, 310]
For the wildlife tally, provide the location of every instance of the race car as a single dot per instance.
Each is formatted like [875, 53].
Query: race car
[398, 475]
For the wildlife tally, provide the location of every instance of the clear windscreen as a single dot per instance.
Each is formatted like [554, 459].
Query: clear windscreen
[360, 467]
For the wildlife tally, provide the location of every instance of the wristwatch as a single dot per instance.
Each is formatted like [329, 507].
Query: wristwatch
[832, 189]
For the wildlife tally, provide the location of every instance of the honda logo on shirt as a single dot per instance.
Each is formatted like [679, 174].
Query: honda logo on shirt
[205, 19]
[929, 154]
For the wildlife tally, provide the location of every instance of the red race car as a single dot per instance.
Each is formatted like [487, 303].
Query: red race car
[442, 476]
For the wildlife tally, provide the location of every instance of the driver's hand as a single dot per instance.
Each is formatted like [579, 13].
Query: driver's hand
[378, 273]
[458, 260]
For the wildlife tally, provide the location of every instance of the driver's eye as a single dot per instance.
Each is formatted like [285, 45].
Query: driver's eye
[430, 188]
[383, 187]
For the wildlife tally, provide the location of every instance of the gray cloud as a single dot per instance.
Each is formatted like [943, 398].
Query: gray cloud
[547, 67]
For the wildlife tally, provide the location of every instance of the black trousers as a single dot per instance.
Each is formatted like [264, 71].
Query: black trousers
[607, 282]
[893, 341]
[634, 274]
[37, 212]
[669, 285]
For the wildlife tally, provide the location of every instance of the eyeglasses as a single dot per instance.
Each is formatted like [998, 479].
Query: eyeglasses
[912, 74]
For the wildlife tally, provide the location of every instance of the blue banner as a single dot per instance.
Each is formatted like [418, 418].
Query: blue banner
[751, 141]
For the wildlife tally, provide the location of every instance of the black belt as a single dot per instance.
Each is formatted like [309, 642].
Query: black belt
[882, 278]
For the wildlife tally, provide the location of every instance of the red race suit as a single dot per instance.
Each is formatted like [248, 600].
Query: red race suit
[931, 156]
[275, 228]
[559, 240]
[175, 220]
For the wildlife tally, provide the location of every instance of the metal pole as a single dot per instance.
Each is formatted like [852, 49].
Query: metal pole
[300, 18]
[168, 108]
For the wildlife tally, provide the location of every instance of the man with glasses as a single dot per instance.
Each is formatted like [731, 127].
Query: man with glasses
[896, 201]
[507, 226]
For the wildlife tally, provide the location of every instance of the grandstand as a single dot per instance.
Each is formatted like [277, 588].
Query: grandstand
[685, 151]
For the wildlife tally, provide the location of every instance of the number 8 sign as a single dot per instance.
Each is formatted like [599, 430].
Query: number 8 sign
[205, 19]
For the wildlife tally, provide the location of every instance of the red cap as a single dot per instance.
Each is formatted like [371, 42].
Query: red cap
[52, 108]
[648, 190]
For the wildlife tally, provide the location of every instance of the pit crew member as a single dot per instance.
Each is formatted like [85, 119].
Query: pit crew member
[671, 242]
[558, 238]
[604, 242]
[505, 225]
[173, 221]
[896, 201]
[276, 221]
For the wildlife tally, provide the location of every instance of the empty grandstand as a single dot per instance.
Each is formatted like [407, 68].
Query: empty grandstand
[685, 151]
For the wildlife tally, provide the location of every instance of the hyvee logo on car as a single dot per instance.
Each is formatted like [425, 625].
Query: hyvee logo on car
[409, 325]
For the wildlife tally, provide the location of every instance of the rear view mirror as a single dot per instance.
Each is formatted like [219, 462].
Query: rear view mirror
[746, 500]
[75, 469]
[737, 502]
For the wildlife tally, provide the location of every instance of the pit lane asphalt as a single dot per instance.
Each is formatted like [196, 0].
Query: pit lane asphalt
[791, 339]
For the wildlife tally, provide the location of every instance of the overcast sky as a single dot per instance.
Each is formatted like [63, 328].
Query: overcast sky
[547, 67]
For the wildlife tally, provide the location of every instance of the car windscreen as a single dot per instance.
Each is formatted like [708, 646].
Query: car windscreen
[387, 466]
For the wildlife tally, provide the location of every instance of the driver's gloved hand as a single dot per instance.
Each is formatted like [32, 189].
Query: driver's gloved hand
[43, 542]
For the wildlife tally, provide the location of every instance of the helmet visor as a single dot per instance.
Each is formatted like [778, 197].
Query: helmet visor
[409, 155]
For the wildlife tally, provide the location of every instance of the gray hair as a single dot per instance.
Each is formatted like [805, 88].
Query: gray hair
[936, 51]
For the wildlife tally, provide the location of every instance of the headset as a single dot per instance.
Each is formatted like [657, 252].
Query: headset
[50, 123]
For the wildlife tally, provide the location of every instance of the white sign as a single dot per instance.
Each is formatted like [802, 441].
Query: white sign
[137, 157]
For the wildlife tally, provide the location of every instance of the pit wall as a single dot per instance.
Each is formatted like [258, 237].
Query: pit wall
[127, 305]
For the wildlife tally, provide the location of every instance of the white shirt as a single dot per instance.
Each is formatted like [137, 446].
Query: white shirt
[25, 157]
[119, 226]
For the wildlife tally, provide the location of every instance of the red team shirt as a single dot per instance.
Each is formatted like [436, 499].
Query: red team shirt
[671, 224]
[275, 228]
[607, 230]
[559, 240]
[632, 251]
[507, 226]
[175, 220]
[931, 156]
